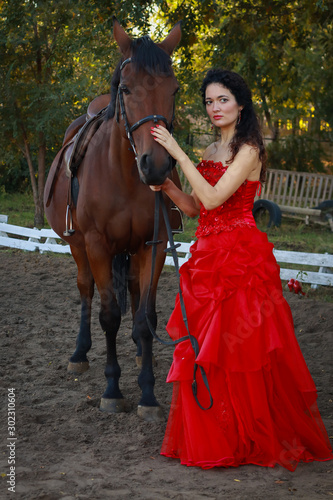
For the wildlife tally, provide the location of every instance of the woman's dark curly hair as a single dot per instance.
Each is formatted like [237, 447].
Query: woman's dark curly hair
[248, 129]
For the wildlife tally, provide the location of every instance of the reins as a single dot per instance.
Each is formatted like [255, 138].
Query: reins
[159, 203]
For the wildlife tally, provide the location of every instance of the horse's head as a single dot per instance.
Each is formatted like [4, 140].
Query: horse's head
[146, 95]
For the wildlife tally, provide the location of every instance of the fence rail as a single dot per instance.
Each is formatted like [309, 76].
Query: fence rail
[42, 240]
[46, 240]
[321, 272]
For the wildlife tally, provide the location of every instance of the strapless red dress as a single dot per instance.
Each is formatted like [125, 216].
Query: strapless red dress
[264, 408]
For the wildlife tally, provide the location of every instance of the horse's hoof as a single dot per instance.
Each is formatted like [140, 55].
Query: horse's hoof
[114, 405]
[78, 368]
[138, 361]
[151, 413]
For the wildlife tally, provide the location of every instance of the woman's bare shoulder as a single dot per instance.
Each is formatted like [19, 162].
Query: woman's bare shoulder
[251, 150]
[248, 157]
[210, 151]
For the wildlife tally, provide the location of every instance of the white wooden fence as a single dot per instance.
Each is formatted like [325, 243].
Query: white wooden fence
[23, 238]
[321, 276]
[46, 240]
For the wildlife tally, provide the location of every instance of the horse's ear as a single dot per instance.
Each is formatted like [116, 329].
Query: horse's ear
[121, 37]
[172, 40]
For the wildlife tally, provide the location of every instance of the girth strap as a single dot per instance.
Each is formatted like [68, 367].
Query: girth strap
[159, 202]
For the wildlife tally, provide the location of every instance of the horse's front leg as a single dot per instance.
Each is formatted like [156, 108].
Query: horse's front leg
[148, 408]
[110, 316]
[112, 400]
[78, 362]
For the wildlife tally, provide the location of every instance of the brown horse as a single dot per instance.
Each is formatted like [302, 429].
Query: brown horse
[113, 213]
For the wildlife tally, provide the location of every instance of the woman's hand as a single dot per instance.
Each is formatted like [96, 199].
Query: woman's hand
[156, 188]
[188, 203]
[161, 187]
[165, 139]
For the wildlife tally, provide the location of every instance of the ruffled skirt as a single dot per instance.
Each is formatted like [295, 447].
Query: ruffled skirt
[264, 400]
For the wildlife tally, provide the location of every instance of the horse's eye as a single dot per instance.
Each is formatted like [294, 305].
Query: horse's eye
[124, 89]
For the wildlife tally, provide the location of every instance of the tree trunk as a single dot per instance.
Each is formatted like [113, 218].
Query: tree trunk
[274, 128]
[39, 206]
[27, 155]
[39, 214]
[37, 185]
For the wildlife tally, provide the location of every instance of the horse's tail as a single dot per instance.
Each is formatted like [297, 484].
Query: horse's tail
[120, 268]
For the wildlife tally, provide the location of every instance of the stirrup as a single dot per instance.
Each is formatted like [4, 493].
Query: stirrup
[180, 228]
[70, 231]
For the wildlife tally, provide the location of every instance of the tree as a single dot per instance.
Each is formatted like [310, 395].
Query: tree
[56, 56]
[283, 48]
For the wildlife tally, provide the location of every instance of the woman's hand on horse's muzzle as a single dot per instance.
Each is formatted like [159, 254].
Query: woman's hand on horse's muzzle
[165, 139]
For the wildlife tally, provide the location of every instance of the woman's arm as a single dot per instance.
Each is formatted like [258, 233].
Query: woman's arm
[188, 203]
[246, 163]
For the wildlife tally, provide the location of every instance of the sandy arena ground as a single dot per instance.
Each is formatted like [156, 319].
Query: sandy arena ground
[67, 448]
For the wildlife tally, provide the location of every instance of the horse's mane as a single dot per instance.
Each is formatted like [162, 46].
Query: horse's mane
[145, 55]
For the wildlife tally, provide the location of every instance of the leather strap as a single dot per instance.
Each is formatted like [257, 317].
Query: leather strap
[120, 106]
[159, 202]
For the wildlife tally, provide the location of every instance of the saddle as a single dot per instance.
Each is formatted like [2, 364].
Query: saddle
[72, 154]
[99, 103]
[76, 148]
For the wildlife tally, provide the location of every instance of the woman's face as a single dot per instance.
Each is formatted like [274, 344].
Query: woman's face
[221, 105]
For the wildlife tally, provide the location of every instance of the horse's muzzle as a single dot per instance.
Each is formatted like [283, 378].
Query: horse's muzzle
[154, 173]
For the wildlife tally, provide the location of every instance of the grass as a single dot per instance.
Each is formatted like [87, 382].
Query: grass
[19, 207]
[291, 235]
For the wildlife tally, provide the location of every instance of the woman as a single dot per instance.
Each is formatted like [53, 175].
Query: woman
[264, 400]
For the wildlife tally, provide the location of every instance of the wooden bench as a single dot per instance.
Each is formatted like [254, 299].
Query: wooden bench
[322, 276]
[298, 193]
[293, 194]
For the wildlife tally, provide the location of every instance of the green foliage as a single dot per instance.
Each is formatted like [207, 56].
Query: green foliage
[15, 175]
[283, 49]
[297, 152]
[56, 55]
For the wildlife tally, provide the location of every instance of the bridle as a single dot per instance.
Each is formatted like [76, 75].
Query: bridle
[130, 129]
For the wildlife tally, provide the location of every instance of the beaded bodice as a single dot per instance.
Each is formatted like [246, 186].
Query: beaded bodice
[234, 212]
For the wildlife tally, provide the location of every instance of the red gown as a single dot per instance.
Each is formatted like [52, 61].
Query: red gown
[264, 400]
